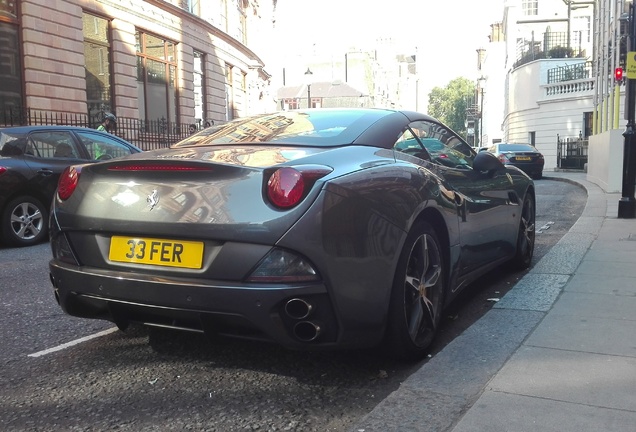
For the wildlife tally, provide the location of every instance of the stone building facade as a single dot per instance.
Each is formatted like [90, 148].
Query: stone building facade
[184, 61]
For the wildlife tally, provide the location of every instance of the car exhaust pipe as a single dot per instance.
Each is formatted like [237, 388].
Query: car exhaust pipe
[307, 331]
[297, 308]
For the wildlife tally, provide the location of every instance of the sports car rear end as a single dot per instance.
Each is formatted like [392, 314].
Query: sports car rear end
[223, 240]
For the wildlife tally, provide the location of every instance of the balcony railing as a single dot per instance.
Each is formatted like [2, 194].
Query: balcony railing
[551, 45]
[566, 88]
[570, 72]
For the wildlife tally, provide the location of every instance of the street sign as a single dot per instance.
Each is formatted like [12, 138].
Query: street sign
[631, 65]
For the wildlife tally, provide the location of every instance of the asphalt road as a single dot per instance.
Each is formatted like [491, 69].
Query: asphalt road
[52, 380]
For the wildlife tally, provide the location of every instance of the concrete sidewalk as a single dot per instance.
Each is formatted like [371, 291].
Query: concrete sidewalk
[557, 353]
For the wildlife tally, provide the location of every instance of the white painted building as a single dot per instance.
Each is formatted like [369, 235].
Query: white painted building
[553, 80]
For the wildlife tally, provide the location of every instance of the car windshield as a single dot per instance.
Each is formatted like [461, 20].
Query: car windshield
[322, 128]
[516, 147]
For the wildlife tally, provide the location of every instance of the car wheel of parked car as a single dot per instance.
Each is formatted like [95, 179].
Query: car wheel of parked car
[417, 295]
[24, 222]
[525, 236]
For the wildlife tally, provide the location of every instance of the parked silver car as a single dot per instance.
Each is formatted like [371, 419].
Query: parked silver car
[316, 229]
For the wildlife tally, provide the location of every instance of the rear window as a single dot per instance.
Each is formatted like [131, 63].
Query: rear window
[516, 147]
[321, 128]
[11, 144]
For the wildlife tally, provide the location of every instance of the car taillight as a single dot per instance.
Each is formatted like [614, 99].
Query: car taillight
[287, 186]
[68, 182]
[2, 170]
[503, 158]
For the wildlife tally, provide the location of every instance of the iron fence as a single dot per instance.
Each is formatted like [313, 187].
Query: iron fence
[551, 45]
[577, 71]
[145, 134]
[572, 152]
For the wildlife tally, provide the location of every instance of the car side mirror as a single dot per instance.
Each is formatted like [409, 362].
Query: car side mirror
[487, 162]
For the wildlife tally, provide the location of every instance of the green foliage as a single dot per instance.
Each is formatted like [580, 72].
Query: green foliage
[449, 104]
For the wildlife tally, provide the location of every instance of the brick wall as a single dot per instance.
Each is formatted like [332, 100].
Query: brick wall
[53, 50]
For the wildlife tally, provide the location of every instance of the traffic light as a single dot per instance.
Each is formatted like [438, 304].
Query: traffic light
[618, 74]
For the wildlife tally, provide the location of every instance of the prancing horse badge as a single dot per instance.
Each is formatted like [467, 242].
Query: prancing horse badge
[153, 199]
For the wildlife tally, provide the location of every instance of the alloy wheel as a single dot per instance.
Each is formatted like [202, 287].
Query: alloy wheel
[423, 290]
[26, 221]
[526, 235]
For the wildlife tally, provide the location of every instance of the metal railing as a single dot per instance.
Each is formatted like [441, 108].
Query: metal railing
[551, 45]
[572, 152]
[145, 134]
[577, 71]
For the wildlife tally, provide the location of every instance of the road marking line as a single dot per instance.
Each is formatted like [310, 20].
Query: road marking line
[73, 343]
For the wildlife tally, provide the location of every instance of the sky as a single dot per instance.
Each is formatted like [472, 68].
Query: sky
[448, 31]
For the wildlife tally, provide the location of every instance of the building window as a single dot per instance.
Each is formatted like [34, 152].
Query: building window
[242, 36]
[156, 77]
[97, 54]
[587, 124]
[532, 138]
[194, 7]
[582, 29]
[290, 104]
[229, 92]
[224, 20]
[530, 7]
[10, 66]
[199, 88]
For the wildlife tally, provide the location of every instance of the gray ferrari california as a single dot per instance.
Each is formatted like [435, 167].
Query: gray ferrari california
[314, 229]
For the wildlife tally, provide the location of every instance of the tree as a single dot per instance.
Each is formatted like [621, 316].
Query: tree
[449, 104]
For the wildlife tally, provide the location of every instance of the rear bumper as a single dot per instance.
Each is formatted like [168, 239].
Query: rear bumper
[530, 169]
[211, 307]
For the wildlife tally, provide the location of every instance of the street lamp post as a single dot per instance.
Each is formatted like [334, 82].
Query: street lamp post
[627, 203]
[308, 76]
[481, 80]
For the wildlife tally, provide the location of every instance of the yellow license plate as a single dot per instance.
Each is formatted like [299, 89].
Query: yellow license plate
[523, 158]
[162, 252]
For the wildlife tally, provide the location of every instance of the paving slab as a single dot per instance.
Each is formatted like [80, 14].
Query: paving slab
[504, 412]
[596, 380]
[602, 284]
[607, 268]
[596, 305]
[586, 334]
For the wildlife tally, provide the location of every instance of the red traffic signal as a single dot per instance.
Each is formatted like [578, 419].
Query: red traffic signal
[618, 74]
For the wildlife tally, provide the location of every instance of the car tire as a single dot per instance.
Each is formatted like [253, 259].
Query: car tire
[526, 234]
[24, 222]
[417, 295]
